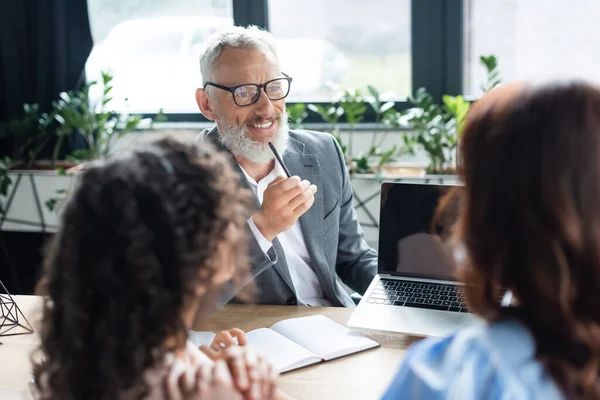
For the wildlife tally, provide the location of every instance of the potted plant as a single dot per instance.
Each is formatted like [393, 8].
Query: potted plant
[297, 114]
[26, 173]
[353, 106]
[436, 127]
[98, 125]
[376, 159]
[26, 183]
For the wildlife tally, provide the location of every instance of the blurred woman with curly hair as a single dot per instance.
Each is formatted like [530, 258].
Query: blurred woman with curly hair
[146, 241]
[530, 162]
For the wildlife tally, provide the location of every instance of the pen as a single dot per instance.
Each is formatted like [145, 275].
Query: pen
[279, 159]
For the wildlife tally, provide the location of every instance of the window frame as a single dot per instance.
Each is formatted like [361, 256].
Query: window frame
[437, 50]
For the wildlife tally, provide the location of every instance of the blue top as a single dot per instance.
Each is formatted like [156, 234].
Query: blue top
[494, 361]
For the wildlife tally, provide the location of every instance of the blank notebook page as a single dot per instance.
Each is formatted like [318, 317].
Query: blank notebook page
[283, 353]
[323, 336]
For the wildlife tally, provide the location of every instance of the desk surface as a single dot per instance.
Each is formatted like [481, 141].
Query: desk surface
[359, 376]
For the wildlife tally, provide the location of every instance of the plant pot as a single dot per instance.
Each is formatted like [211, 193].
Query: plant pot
[41, 165]
[403, 170]
[445, 171]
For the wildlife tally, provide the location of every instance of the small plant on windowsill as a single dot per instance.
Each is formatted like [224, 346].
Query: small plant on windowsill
[353, 106]
[296, 115]
[97, 124]
[376, 158]
[36, 140]
[28, 138]
[331, 114]
[437, 127]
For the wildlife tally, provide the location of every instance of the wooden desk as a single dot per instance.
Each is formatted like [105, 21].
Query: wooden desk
[361, 376]
[15, 351]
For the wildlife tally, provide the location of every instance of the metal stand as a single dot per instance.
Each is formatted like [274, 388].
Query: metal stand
[12, 320]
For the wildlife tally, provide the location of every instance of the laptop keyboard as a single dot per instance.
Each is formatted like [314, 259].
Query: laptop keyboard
[415, 294]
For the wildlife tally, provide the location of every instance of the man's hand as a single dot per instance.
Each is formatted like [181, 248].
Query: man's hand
[284, 201]
[205, 382]
[252, 375]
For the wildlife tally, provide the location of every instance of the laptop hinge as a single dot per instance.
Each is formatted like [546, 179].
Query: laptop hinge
[407, 278]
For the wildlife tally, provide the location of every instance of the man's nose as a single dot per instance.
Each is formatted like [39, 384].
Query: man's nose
[264, 106]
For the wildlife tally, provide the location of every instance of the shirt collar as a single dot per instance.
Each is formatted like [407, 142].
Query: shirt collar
[276, 171]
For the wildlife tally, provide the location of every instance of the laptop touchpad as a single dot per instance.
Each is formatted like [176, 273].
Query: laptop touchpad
[426, 322]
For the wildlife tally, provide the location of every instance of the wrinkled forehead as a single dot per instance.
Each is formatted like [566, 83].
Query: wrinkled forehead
[239, 66]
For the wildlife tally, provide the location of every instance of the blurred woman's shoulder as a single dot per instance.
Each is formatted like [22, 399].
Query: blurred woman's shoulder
[491, 361]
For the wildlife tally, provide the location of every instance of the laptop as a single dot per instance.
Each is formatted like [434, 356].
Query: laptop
[415, 290]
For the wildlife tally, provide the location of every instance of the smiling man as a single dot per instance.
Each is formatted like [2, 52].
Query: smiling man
[305, 235]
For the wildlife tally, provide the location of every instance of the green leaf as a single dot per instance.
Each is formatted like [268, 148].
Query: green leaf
[386, 156]
[52, 204]
[373, 92]
[80, 155]
[132, 123]
[491, 66]
[387, 106]
[457, 106]
[65, 96]
[363, 165]
[353, 106]
[106, 78]
[160, 116]
[315, 108]
[297, 114]
[373, 100]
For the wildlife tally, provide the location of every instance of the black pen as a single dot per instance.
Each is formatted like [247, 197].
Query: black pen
[279, 159]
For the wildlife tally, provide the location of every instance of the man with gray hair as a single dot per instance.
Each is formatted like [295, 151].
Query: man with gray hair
[305, 235]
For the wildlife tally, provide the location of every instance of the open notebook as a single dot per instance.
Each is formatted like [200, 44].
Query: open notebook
[298, 342]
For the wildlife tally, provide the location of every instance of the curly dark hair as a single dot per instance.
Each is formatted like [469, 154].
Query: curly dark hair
[529, 157]
[137, 236]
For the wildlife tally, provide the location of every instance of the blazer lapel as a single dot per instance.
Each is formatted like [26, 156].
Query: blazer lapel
[307, 166]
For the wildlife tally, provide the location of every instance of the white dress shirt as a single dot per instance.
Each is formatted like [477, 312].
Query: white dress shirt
[307, 286]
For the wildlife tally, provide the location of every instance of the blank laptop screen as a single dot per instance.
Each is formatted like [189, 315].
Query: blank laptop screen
[412, 241]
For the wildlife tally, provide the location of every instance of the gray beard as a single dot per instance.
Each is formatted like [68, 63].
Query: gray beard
[236, 140]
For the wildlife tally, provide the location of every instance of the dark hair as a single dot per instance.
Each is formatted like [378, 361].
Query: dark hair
[530, 160]
[137, 235]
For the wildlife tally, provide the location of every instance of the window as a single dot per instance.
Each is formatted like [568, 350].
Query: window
[343, 44]
[152, 49]
[531, 39]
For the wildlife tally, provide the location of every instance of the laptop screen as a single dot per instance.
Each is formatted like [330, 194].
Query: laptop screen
[413, 241]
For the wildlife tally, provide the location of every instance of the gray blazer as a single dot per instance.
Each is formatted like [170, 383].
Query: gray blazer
[333, 236]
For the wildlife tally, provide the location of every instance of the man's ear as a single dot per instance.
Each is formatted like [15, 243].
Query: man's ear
[206, 104]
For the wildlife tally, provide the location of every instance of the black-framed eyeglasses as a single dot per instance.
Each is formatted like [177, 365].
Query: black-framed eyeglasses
[248, 94]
